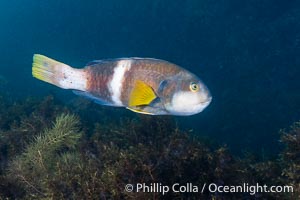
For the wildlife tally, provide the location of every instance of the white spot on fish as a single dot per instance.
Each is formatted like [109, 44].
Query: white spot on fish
[115, 85]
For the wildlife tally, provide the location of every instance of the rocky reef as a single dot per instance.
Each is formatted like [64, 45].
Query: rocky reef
[50, 150]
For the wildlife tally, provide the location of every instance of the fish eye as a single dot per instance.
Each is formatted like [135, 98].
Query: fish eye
[194, 87]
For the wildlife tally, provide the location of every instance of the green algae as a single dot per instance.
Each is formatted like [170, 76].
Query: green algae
[48, 153]
[38, 161]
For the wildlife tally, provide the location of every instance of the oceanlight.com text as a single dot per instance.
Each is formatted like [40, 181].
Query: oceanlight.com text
[212, 188]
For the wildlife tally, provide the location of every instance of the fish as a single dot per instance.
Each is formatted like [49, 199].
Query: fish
[143, 85]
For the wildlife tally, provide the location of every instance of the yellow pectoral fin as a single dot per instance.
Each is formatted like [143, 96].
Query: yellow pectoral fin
[142, 94]
[139, 111]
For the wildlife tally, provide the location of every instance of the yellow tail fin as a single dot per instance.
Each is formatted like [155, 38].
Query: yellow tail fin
[57, 73]
[43, 68]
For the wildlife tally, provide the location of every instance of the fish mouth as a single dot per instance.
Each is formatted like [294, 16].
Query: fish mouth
[202, 105]
[186, 103]
[199, 107]
[205, 102]
[208, 100]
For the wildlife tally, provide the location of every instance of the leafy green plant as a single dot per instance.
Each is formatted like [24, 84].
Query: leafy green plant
[48, 161]
[37, 163]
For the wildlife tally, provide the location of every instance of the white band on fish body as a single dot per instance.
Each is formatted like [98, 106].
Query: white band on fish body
[115, 85]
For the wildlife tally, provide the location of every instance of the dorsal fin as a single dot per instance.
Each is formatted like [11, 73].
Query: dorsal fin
[94, 62]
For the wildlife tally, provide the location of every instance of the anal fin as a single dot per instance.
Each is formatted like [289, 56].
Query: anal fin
[92, 97]
[140, 111]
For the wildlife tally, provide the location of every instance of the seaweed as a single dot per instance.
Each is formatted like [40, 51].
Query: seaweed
[55, 153]
[37, 162]
[290, 157]
[22, 120]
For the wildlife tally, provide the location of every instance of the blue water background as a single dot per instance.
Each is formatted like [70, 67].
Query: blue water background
[247, 53]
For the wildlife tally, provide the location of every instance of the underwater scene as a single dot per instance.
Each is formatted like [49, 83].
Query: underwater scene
[152, 99]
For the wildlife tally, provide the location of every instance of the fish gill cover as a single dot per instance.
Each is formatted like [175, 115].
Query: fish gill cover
[55, 145]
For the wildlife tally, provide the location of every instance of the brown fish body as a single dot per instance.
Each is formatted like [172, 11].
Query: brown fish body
[150, 71]
[144, 85]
